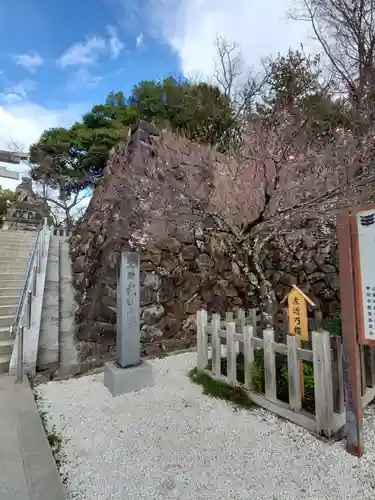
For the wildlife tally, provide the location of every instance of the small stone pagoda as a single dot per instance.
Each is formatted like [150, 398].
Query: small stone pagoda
[27, 211]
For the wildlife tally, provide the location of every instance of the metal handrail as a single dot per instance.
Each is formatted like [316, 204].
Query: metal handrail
[24, 288]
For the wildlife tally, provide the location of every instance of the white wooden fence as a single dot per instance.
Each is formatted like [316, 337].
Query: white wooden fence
[239, 335]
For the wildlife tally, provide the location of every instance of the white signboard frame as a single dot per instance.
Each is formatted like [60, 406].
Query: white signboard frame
[363, 245]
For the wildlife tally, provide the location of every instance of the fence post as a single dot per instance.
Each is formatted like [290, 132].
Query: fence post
[230, 328]
[229, 316]
[363, 368]
[216, 345]
[242, 321]
[370, 367]
[202, 339]
[253, 320]
[248, 356]
[294, 373]
[322, 382]
[269, 365]
[337, 376]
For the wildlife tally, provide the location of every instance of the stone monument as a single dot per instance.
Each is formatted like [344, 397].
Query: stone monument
[128, 373]
[26, 213]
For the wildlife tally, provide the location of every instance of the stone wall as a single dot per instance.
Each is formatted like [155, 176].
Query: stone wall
[188, 259]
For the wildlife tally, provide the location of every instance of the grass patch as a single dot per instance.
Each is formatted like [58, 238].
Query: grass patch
[282, 389]
[221, 390]
[55, 439]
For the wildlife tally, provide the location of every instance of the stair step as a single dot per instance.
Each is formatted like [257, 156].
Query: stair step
[9, 300]
[12, 276]
[10, 255]
[6, 347]
[19, 251]
[14, 243]
[12, 279]
[6, 320]
[6, 291]
[18, 235]
[4, 363]
[16, 246]
[5, 333]
[11, 263]
[7, 310]
[15, 237]
[12, 283]
[11, 269]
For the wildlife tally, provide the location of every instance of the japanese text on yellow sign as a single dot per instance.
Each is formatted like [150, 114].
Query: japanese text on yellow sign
[297, 309]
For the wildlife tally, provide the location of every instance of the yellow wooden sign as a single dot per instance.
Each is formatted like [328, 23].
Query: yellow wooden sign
[297, 311]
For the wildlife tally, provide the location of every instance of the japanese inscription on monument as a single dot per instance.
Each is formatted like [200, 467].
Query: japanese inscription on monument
[365, 220]
[128, 311]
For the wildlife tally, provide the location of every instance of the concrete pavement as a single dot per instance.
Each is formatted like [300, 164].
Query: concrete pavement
[27, 467]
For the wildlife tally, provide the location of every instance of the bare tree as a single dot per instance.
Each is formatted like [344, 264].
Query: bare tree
[229, 67]
[345, 30]
[274, 183]
[239, 85]
[65, 210]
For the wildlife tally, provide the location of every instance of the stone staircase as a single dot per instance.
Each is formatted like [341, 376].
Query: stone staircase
[15, 251]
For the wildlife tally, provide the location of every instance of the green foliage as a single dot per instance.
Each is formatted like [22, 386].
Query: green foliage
[282, 388]
[221, 390]
[296, 95]
[333, 324]
[74, 159]
[54, 438]
[293, 78]
[6, 195]
[257, 370]
[308, 375]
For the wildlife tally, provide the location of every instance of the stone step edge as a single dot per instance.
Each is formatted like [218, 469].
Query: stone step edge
[4, 359]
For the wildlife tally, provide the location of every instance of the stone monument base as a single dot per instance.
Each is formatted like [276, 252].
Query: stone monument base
[124, 380]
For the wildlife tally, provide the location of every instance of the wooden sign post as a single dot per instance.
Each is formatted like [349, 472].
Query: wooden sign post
[298, 320]
[356, 238]
[352, 285]
[297, 312]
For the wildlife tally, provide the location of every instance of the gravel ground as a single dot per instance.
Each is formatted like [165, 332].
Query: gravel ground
[171, 442]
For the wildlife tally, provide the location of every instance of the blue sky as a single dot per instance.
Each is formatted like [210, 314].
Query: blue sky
[59, 53]
[59, 58]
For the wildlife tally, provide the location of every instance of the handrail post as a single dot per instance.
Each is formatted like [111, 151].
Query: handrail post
[29, 300]
[20, 356]
[35, 275]
[41, 237]
[37, 258]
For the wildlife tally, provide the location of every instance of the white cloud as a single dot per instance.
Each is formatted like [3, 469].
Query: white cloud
[115, 45]
[31, 62]
[18, 92]
[84, 53]
[260, 28]
[22, 123]
[139, 40]
[10, 97]
[84, 77]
